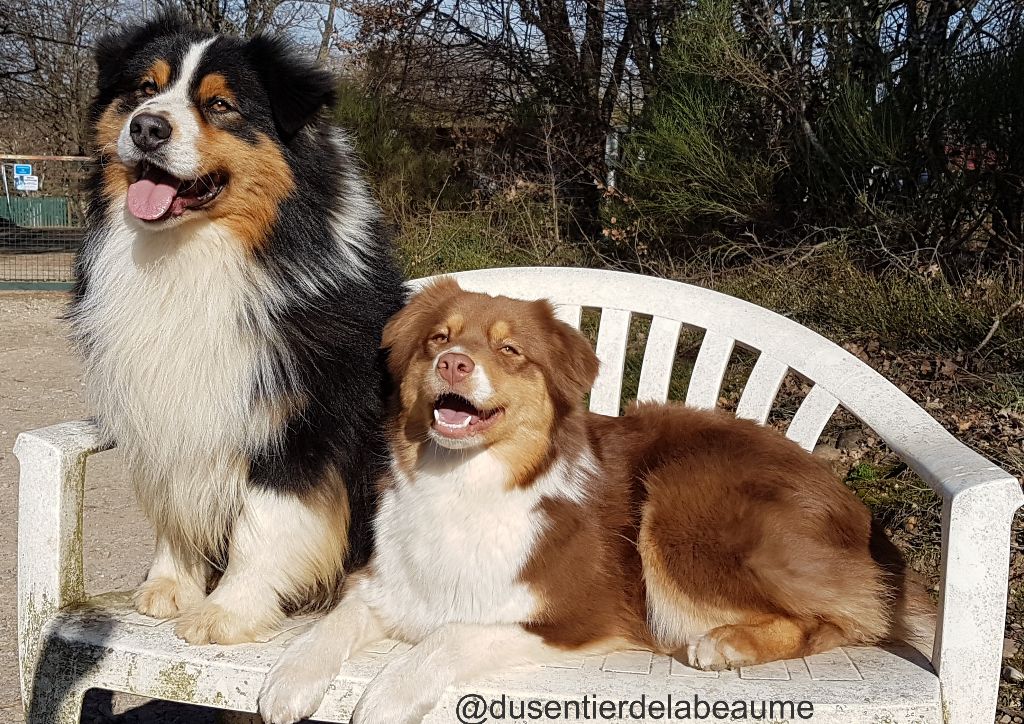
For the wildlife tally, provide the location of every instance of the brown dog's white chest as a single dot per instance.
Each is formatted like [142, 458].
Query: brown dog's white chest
[454, 538]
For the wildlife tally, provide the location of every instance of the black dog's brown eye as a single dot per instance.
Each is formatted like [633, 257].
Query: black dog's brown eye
[219, 105]
[148, 88]
[439, 337]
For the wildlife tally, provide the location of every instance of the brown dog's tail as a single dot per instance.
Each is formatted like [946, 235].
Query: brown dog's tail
[913, 613]
[914, 616]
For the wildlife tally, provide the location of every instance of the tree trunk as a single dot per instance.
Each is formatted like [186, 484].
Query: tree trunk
[325, 39]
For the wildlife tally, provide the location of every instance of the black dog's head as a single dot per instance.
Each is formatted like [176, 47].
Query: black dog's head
[196, 126]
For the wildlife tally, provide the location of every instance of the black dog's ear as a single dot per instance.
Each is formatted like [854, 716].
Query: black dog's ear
[113, 51]
[298, 89]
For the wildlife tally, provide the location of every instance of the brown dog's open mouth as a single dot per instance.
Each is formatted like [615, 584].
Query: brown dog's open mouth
[158, 195]
[456, 417]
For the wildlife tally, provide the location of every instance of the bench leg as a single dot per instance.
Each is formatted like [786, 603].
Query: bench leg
[238, 717]
[62, 675]
[61, 706]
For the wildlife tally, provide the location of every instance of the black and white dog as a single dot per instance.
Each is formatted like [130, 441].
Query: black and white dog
[230, 297]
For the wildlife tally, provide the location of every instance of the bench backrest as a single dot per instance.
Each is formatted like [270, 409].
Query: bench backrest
[838, 378]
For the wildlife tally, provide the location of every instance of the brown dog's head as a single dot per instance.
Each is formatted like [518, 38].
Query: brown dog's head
[476, 370]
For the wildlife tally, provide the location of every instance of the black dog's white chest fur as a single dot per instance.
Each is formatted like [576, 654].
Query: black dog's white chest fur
[179, 331]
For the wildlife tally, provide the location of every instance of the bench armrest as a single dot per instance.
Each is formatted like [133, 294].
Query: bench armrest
[50, 494]
[979, 502]
[946, 464]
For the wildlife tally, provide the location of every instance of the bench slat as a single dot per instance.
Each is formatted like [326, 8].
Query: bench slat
[761, 388]
[812, 416]
[611, 350]
[709, 370]
[571, 314]
[659, 357]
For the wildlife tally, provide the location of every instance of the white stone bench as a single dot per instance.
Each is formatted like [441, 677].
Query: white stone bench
[69, 643]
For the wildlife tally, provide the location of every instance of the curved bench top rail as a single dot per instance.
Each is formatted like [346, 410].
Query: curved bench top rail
[910, 432]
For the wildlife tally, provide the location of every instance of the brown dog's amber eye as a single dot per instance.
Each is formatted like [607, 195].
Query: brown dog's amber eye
[439, 337]
[148, 88]
[509, 349]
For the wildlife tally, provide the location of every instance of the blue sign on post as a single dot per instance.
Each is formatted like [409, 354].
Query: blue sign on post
[22, 169]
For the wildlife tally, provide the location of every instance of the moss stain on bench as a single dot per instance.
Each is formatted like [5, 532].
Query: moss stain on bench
[177, 683]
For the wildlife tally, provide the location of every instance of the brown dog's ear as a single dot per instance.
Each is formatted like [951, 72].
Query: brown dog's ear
[573, 366]
[405, 331]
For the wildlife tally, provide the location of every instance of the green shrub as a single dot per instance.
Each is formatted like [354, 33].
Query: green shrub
[445, 241]
[406, 169]
[697, 159]
[833, 294]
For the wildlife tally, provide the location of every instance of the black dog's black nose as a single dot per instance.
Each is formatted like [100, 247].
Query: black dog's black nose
[149, 131]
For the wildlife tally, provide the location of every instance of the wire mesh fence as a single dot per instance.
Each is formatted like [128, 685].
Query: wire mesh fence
[42, 227]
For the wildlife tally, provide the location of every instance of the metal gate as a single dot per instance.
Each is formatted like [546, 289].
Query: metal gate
[42, 218]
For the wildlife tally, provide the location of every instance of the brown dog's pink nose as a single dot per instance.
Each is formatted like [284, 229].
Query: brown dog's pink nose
[454, 367]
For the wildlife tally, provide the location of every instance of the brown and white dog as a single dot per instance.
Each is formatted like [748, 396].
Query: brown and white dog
[516, 526]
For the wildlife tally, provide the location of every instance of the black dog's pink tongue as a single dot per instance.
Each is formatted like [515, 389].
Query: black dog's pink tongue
[150, 198]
